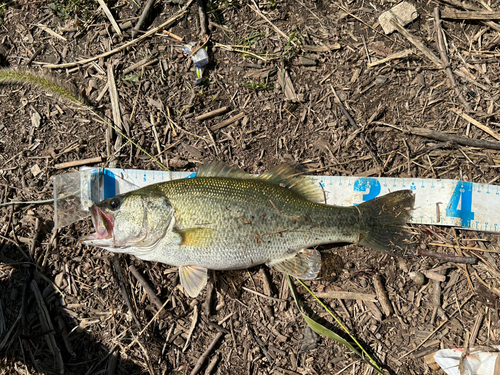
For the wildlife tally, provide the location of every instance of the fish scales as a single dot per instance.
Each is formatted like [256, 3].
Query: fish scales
[253, 222]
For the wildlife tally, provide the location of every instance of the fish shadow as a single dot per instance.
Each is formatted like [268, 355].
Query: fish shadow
[44, 332]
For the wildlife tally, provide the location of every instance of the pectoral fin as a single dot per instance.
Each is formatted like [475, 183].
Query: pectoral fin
[197, 237]
[305, 265]
[193, 279]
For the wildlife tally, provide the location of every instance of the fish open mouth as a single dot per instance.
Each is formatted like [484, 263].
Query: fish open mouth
[103, 225]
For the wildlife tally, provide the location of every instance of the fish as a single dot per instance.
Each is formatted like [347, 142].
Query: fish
[226, 219]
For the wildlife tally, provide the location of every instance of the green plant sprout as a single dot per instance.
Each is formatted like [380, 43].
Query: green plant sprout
[257, 86]
[271, 4]
[134, 78]
[69, 8]
[251, 38]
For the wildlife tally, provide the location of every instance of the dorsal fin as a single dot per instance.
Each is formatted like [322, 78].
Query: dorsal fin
[288, 177]
[283, 175]
[221, 169]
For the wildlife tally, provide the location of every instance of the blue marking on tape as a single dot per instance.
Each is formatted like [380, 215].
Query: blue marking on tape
[109, 182]
[461, 195]
[367, 183]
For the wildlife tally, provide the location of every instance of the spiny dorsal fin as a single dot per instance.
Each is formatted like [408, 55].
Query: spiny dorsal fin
[288, 177]
[283, 175]
[221, 169]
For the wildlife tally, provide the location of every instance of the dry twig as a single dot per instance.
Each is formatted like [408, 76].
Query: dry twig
[355, 126]
[480, 15]
[214, 113]
[382, 295]
[417, 43]
[393, 56]
[147, 288]
[280, 33]
[438, 327]
[115, 263]
[445, 137]
[202, 13]
[227, 122]
[342, 294]
[77, 163]
[444, 58]
[205, 354]
[469, 6]
[144, 16]
[110, 16]
[447, 258]
[477, 123]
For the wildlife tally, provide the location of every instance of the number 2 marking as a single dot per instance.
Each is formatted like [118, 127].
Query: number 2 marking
[367, 183]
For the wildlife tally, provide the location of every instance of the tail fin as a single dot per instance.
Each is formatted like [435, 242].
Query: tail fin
[386, 218]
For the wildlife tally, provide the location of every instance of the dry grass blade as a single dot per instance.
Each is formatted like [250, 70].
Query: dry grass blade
[470, 15]
[417, 43]
[477, 123]
[111, 19]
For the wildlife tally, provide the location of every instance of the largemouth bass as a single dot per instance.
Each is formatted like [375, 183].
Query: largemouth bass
[225, 219]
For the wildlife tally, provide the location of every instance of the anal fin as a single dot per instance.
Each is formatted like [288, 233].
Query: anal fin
[193, 279]
[305, 265]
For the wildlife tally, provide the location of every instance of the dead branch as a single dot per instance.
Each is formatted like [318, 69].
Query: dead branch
[447, 258]
[444, 58]
[144, 16]
[204, 356]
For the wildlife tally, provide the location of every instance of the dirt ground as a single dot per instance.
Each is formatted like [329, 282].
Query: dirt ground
[68, 308]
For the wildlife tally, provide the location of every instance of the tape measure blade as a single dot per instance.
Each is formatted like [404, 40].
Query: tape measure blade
[437, 202]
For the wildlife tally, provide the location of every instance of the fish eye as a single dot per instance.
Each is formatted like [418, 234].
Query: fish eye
[114, 203]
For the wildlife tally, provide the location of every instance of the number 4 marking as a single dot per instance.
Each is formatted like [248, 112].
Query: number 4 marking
[462, 195]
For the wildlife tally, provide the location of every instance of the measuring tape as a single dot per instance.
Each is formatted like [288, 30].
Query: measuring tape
[437, 202]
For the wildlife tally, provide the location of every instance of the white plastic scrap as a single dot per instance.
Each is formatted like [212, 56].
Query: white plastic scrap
[479, 361]
[200, 59]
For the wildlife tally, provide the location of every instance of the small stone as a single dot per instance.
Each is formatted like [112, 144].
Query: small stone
[418, 277]
[35, 119]
[304, 61]
[60, 280]
[35, 170]
[404, 14]
[179, 341]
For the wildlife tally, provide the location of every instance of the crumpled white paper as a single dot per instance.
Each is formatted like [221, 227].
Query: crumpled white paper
[479, 361]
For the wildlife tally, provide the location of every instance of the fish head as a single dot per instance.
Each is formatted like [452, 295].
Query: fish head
[137, 219]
